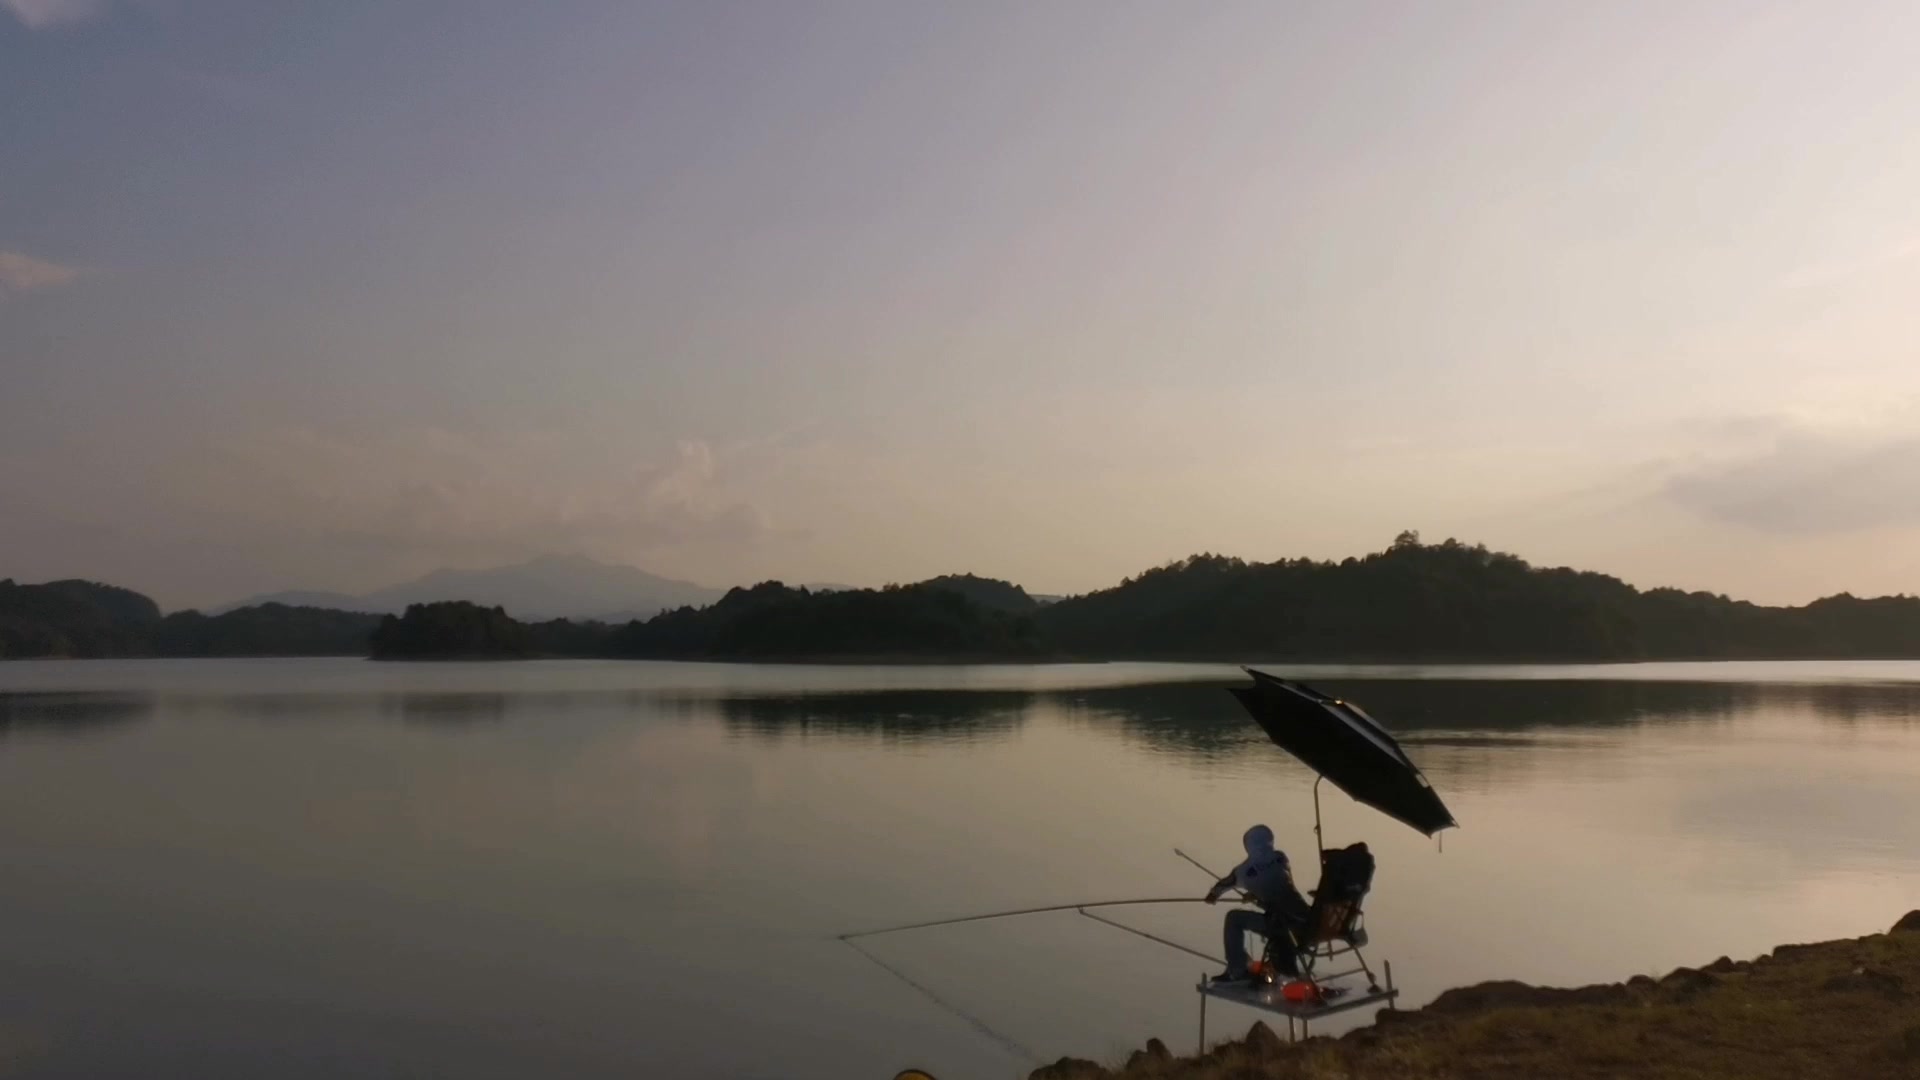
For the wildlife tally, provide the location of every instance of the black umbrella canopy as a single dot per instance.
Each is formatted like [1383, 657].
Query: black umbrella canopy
[1338, 740]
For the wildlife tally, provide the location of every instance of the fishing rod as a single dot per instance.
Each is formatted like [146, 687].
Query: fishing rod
[1198, 863]
[1216, 877]
[1150, 937]
[1021, 911]
[979, 1025]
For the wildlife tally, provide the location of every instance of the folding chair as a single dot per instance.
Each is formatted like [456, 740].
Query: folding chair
[1335, 925]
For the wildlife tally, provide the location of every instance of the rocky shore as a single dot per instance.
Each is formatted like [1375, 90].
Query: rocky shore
[1848, 1008]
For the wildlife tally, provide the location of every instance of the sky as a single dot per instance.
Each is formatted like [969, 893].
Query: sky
[330, 294]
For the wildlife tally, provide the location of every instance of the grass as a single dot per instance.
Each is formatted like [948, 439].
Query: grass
[1847, 1008]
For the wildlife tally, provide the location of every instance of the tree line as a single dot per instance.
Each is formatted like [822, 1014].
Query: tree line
[88, 619]
[1413, 601]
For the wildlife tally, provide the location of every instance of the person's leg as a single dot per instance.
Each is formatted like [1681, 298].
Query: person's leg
[1277, 930]
[1238, 924]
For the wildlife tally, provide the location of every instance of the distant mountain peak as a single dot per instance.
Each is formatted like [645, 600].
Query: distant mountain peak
[570, 586]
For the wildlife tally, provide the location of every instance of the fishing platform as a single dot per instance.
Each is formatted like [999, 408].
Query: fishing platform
[1330, 1000]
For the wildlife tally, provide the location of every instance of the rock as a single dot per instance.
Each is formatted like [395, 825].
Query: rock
[1909, 923]
[1144, 1060]
[1688, 982]
[1725, 966]
[1641, 982]
[1506, 993]
[1864, 979]
[1486, 995]
[1598, 994]
[1363, 1038]
[1262, 1041]
[1389, 1018]
[1069, 1068]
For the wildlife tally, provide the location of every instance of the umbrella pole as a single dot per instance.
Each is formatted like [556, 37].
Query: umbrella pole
[1319, 842]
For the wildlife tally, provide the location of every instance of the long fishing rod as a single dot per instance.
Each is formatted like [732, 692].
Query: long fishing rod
[1150, 937]
[1021, 911]
[1198, 863]
[1203, 869]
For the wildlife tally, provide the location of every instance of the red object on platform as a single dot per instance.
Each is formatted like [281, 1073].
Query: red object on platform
[1302, 992]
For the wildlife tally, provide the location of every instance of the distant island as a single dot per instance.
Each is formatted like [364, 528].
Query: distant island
[1413, 601]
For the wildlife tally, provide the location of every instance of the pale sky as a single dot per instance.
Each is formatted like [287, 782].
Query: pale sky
[329, 294]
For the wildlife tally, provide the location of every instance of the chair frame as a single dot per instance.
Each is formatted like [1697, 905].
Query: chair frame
[1334, 928]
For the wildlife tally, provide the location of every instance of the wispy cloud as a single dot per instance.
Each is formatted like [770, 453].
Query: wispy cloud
[446, 497]
[1807, 480]
[1833, 272]
[24, 273]
[42, 14]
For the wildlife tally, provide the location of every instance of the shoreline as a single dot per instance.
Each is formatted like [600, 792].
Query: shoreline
[1843, 1008]
[1051, 660]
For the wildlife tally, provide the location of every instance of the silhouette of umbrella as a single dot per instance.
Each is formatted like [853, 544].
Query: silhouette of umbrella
[1339, 741]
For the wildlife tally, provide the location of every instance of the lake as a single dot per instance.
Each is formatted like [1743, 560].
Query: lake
[333, 868]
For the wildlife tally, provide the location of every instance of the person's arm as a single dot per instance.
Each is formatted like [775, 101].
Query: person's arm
[1220, 887]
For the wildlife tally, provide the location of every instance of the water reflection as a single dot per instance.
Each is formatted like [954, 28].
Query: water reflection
[1199, 720]
[449, 709]
[892, 716]
[70, 713]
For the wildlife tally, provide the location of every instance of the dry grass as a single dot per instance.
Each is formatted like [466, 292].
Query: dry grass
[1836, 1009]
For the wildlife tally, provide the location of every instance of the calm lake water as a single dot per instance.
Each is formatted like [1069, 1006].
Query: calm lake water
[332, 868]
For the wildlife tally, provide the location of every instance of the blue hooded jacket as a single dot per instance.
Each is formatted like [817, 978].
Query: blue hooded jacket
[1265, 874]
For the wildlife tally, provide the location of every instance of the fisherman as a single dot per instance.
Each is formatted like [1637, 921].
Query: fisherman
[1265, 877]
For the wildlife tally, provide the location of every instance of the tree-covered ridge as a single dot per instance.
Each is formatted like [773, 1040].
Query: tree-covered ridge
[73, 618]
[87, 619]
[1453, 601]
[451, 630]
[1413, 601]
[774, 620]
[264, 630]
[989, 593]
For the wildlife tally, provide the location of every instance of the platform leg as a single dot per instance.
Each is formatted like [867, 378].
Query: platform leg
[1203, 1017]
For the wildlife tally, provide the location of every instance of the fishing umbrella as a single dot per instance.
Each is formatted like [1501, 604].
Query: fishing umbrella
[1340, 742]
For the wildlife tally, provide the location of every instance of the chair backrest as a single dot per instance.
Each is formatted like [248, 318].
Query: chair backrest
[1345, 876]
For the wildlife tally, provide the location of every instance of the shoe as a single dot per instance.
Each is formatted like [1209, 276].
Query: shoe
[1228, 977]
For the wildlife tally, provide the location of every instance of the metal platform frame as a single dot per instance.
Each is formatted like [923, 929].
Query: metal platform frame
[1268, 998]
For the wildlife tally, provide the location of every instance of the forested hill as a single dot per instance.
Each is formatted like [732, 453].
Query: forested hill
[772, 620]
[1413, 601]
[87, 619]
[1452, 601]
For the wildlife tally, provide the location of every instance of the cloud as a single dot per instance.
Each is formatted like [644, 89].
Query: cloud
[41, 14]
[1834, 272]
[434, 496]
[24, 273]
[1807, 481]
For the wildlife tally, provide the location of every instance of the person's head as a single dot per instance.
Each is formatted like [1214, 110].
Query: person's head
[1259, 840]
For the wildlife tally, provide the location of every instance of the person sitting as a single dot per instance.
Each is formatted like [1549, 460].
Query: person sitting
[1266, 878]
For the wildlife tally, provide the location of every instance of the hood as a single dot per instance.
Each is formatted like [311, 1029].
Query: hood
[1258, 841]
